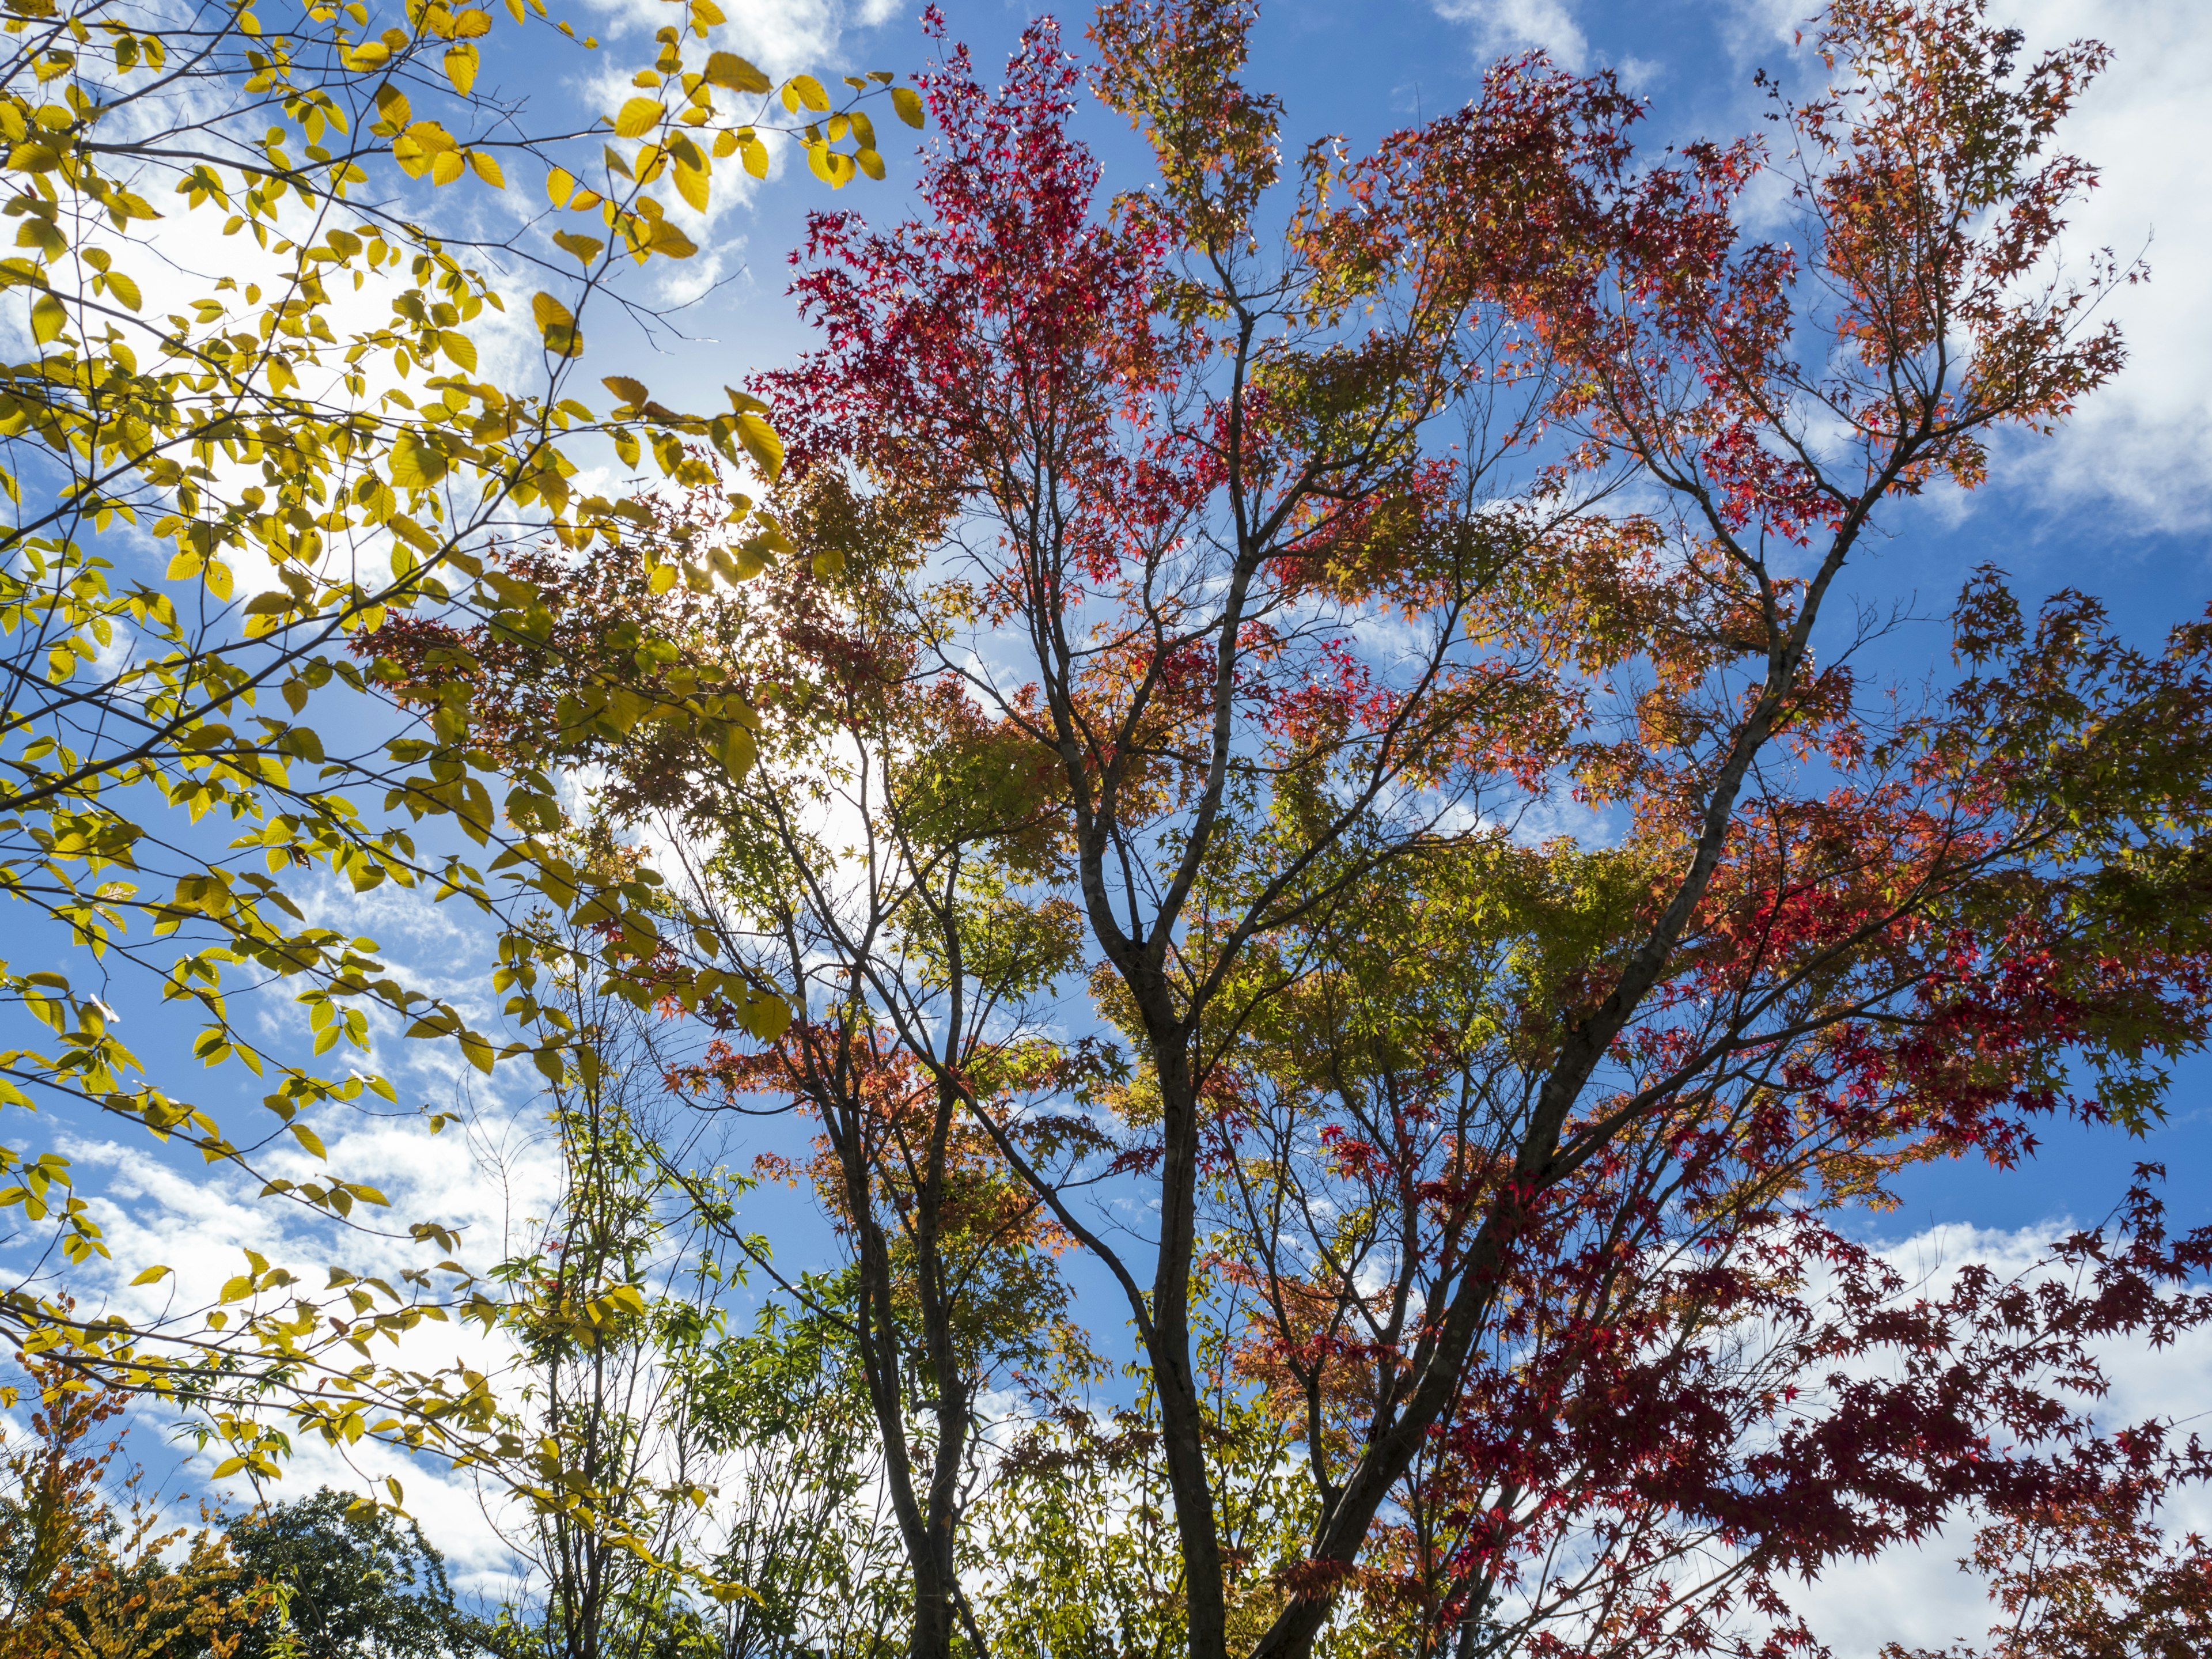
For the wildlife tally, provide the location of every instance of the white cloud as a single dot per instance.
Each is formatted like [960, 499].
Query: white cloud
[2145, 443]
[1503, 25]
[1919, 1596]
[2142, 445]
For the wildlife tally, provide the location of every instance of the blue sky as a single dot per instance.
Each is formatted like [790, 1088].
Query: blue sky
[2120, 505]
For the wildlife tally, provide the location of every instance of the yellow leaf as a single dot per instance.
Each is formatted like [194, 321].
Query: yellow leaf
[632, 392]
[909, 105]
[560, 186]
[308, 1138]
[487, 169]
[472, 23]
[810, 92]
[151, 1275]
[557, 324]
[218, 579]
[461, 68]
[46, 318]
[691, 185]
[415, 463]
[738, 750]
[726, 69]
[585, 248]
[446, 166]
[756, 157]
[368, 55]
[478, 1050]
[123, 289]
[762, 444]
[391, 106]
[185, 566]
[637, 118]
[461, 348]
[764, 1015]
[666, 239]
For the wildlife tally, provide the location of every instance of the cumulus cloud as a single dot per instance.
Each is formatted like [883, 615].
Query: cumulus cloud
[2140, 451]
[1503, 25]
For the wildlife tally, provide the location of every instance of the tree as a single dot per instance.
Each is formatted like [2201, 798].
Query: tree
[318, 408]
[1513, 1231]
[84, 1582]
[1226, 628]
[357, 1583]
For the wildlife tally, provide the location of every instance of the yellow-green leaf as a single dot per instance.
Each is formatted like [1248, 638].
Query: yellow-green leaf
[726, 69]
[637, 118]
[152, 1275]
[585, 248]
[308, 1138]
[417, 463]
[632, 392]
[762, 444]
[907, 103]
[556, 324]
[461, 348]
[478, 1050]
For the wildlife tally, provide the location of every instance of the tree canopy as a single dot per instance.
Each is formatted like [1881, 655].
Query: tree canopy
[1267, 836]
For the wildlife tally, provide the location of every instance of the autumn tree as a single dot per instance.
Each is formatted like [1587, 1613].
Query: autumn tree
[1218, 594]
[1302, 568]
[304, 434]
[876, 867]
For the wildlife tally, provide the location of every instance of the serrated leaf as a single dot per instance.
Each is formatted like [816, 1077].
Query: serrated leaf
[585, 248]
[556, 325]
[666, 239]
[762, 444]
[308, 1138]
[478, 1050]
[417, 463]
[461, 348]
[461, 68]
[636, 118]
[726, 69]
[487, 169]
